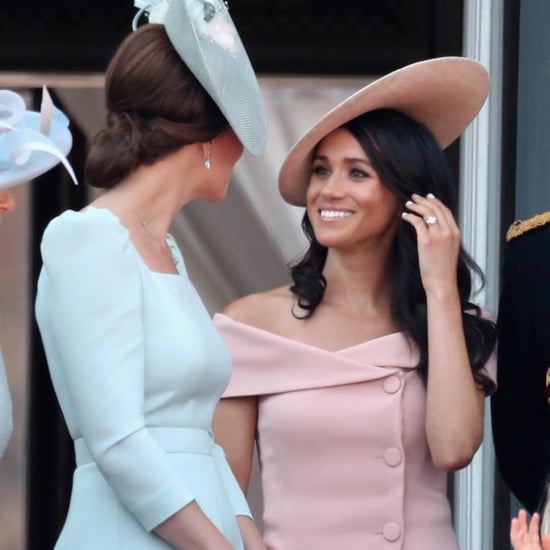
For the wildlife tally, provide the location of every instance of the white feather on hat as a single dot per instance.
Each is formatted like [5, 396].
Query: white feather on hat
[30, 142]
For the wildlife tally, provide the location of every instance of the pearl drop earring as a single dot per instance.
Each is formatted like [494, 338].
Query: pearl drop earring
[207, 163]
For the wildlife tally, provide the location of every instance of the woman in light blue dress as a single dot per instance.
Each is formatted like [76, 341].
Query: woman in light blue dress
[6, 421]
[135, 360]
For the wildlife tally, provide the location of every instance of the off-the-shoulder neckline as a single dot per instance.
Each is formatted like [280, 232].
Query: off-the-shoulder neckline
[290, 341]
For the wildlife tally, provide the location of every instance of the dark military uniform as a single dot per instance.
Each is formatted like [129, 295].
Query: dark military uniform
[520, 409]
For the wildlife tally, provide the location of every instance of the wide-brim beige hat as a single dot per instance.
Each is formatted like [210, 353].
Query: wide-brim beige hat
[445, 94]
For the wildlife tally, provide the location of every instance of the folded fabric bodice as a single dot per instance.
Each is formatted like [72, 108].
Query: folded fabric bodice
[266, 363]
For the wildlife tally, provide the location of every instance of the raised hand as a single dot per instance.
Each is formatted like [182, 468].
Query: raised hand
[438, 241]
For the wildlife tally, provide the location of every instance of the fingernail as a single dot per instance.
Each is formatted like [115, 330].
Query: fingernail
[430, 196]
[409, 203]
[403, 214]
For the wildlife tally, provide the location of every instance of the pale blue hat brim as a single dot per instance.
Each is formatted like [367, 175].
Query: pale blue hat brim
[44, 151]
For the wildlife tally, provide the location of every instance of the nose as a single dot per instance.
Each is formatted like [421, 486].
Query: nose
[333, 187]
[7, 202]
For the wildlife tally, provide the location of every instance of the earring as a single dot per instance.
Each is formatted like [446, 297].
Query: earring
[207, 163]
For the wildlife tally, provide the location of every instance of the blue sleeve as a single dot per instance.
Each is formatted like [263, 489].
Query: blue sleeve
[6, 420]
[89, 312]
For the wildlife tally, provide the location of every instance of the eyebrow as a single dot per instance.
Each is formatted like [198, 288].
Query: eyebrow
[347, 160]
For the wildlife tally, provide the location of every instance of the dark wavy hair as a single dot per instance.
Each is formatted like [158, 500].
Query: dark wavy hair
[408, 160]
[155, 106]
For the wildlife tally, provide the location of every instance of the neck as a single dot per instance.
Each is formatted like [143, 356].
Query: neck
[358, 279]
[149, 197]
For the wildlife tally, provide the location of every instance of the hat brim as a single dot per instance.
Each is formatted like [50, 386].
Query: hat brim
[445, 94]
[40, 161]
[214, 53]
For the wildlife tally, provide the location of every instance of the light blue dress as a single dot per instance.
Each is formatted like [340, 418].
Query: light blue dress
[138, 368]
[6, 419]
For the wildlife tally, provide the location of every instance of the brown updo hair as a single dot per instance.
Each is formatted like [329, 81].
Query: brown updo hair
[155, 106]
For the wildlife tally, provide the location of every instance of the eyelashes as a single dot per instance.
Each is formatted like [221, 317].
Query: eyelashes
[354, 173]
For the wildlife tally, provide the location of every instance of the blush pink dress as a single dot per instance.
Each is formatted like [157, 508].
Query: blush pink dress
[342, 445]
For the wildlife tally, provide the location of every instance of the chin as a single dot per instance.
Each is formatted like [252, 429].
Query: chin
[217, 197]
[330, 241]
[328, 232]
[216, 200]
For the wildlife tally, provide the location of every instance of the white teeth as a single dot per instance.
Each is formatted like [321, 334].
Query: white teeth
[335, 214]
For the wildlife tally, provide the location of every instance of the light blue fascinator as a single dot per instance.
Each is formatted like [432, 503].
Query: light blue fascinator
[205, 37]
[31, 143]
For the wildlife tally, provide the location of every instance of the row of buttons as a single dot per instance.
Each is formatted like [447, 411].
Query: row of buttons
[392, 457]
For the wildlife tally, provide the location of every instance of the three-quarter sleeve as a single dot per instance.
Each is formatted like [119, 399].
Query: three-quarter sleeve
[89, 311]
[6, 420]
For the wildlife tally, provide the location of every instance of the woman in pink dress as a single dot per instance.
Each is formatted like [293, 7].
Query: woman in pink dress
[363, 381]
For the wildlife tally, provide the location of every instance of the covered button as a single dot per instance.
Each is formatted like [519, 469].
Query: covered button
[391, 531]
[392, 456]
[392, 384]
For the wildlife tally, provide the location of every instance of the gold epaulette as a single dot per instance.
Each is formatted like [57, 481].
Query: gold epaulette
[519, 227]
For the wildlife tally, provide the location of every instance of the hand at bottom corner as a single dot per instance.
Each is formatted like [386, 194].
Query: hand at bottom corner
[525, 536]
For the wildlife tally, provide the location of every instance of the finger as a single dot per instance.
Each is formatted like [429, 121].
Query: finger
[430, 208]
[522, 517]
[417, 222]
[515, 531]
[419, 205]
[518, 528]
[534, 528]
[431, 203]
[442, 216]
[429, 217]
[514, 528]
[442, 211]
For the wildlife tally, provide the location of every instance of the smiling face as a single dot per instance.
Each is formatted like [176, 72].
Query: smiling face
[347, 203]
[7, 202]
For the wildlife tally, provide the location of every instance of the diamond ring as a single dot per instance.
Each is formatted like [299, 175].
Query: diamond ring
[430, 220]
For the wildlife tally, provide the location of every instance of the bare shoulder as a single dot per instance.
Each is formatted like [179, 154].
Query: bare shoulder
[264, 310]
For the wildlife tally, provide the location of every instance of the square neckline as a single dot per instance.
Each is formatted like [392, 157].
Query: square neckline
[169, 239]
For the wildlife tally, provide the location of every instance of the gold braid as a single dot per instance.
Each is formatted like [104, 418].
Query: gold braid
[519, 227]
